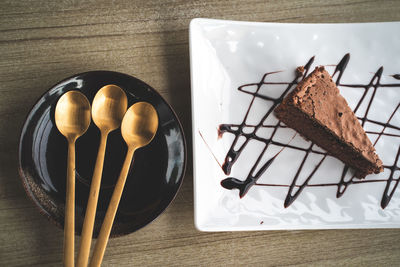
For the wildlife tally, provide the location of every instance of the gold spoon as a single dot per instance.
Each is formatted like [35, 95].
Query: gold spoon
[138, 128]
[72, 117]
[108, 108]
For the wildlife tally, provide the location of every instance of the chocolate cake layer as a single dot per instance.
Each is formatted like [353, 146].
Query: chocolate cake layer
[317, 111]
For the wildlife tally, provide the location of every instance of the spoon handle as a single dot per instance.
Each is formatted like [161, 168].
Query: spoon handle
[69, 223]
[106, 227]
[87, 230]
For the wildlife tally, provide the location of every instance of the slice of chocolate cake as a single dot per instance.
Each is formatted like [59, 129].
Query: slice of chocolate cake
[317, 111]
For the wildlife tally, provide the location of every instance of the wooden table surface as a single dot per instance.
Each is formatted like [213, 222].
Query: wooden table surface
[42, 42]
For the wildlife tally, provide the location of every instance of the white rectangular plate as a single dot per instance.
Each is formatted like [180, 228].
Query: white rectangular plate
[239, 71]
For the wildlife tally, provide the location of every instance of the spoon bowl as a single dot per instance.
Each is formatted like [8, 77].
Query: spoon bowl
[72, 114]
[139, 125]
[108, 107]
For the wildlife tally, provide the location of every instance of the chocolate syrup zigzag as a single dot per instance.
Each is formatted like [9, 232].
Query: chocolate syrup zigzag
[294, 190]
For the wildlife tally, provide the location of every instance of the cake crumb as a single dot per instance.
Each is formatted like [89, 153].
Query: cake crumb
[299, 71]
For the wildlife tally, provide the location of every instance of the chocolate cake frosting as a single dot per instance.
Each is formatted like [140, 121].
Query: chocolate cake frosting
[317, 111]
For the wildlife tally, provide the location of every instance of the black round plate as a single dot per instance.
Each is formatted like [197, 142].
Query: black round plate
[153, 180]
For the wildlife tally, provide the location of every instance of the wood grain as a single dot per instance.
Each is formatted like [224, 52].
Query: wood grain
[42, 42]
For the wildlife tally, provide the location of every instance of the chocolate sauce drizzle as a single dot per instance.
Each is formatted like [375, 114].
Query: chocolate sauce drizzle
[295, 189]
